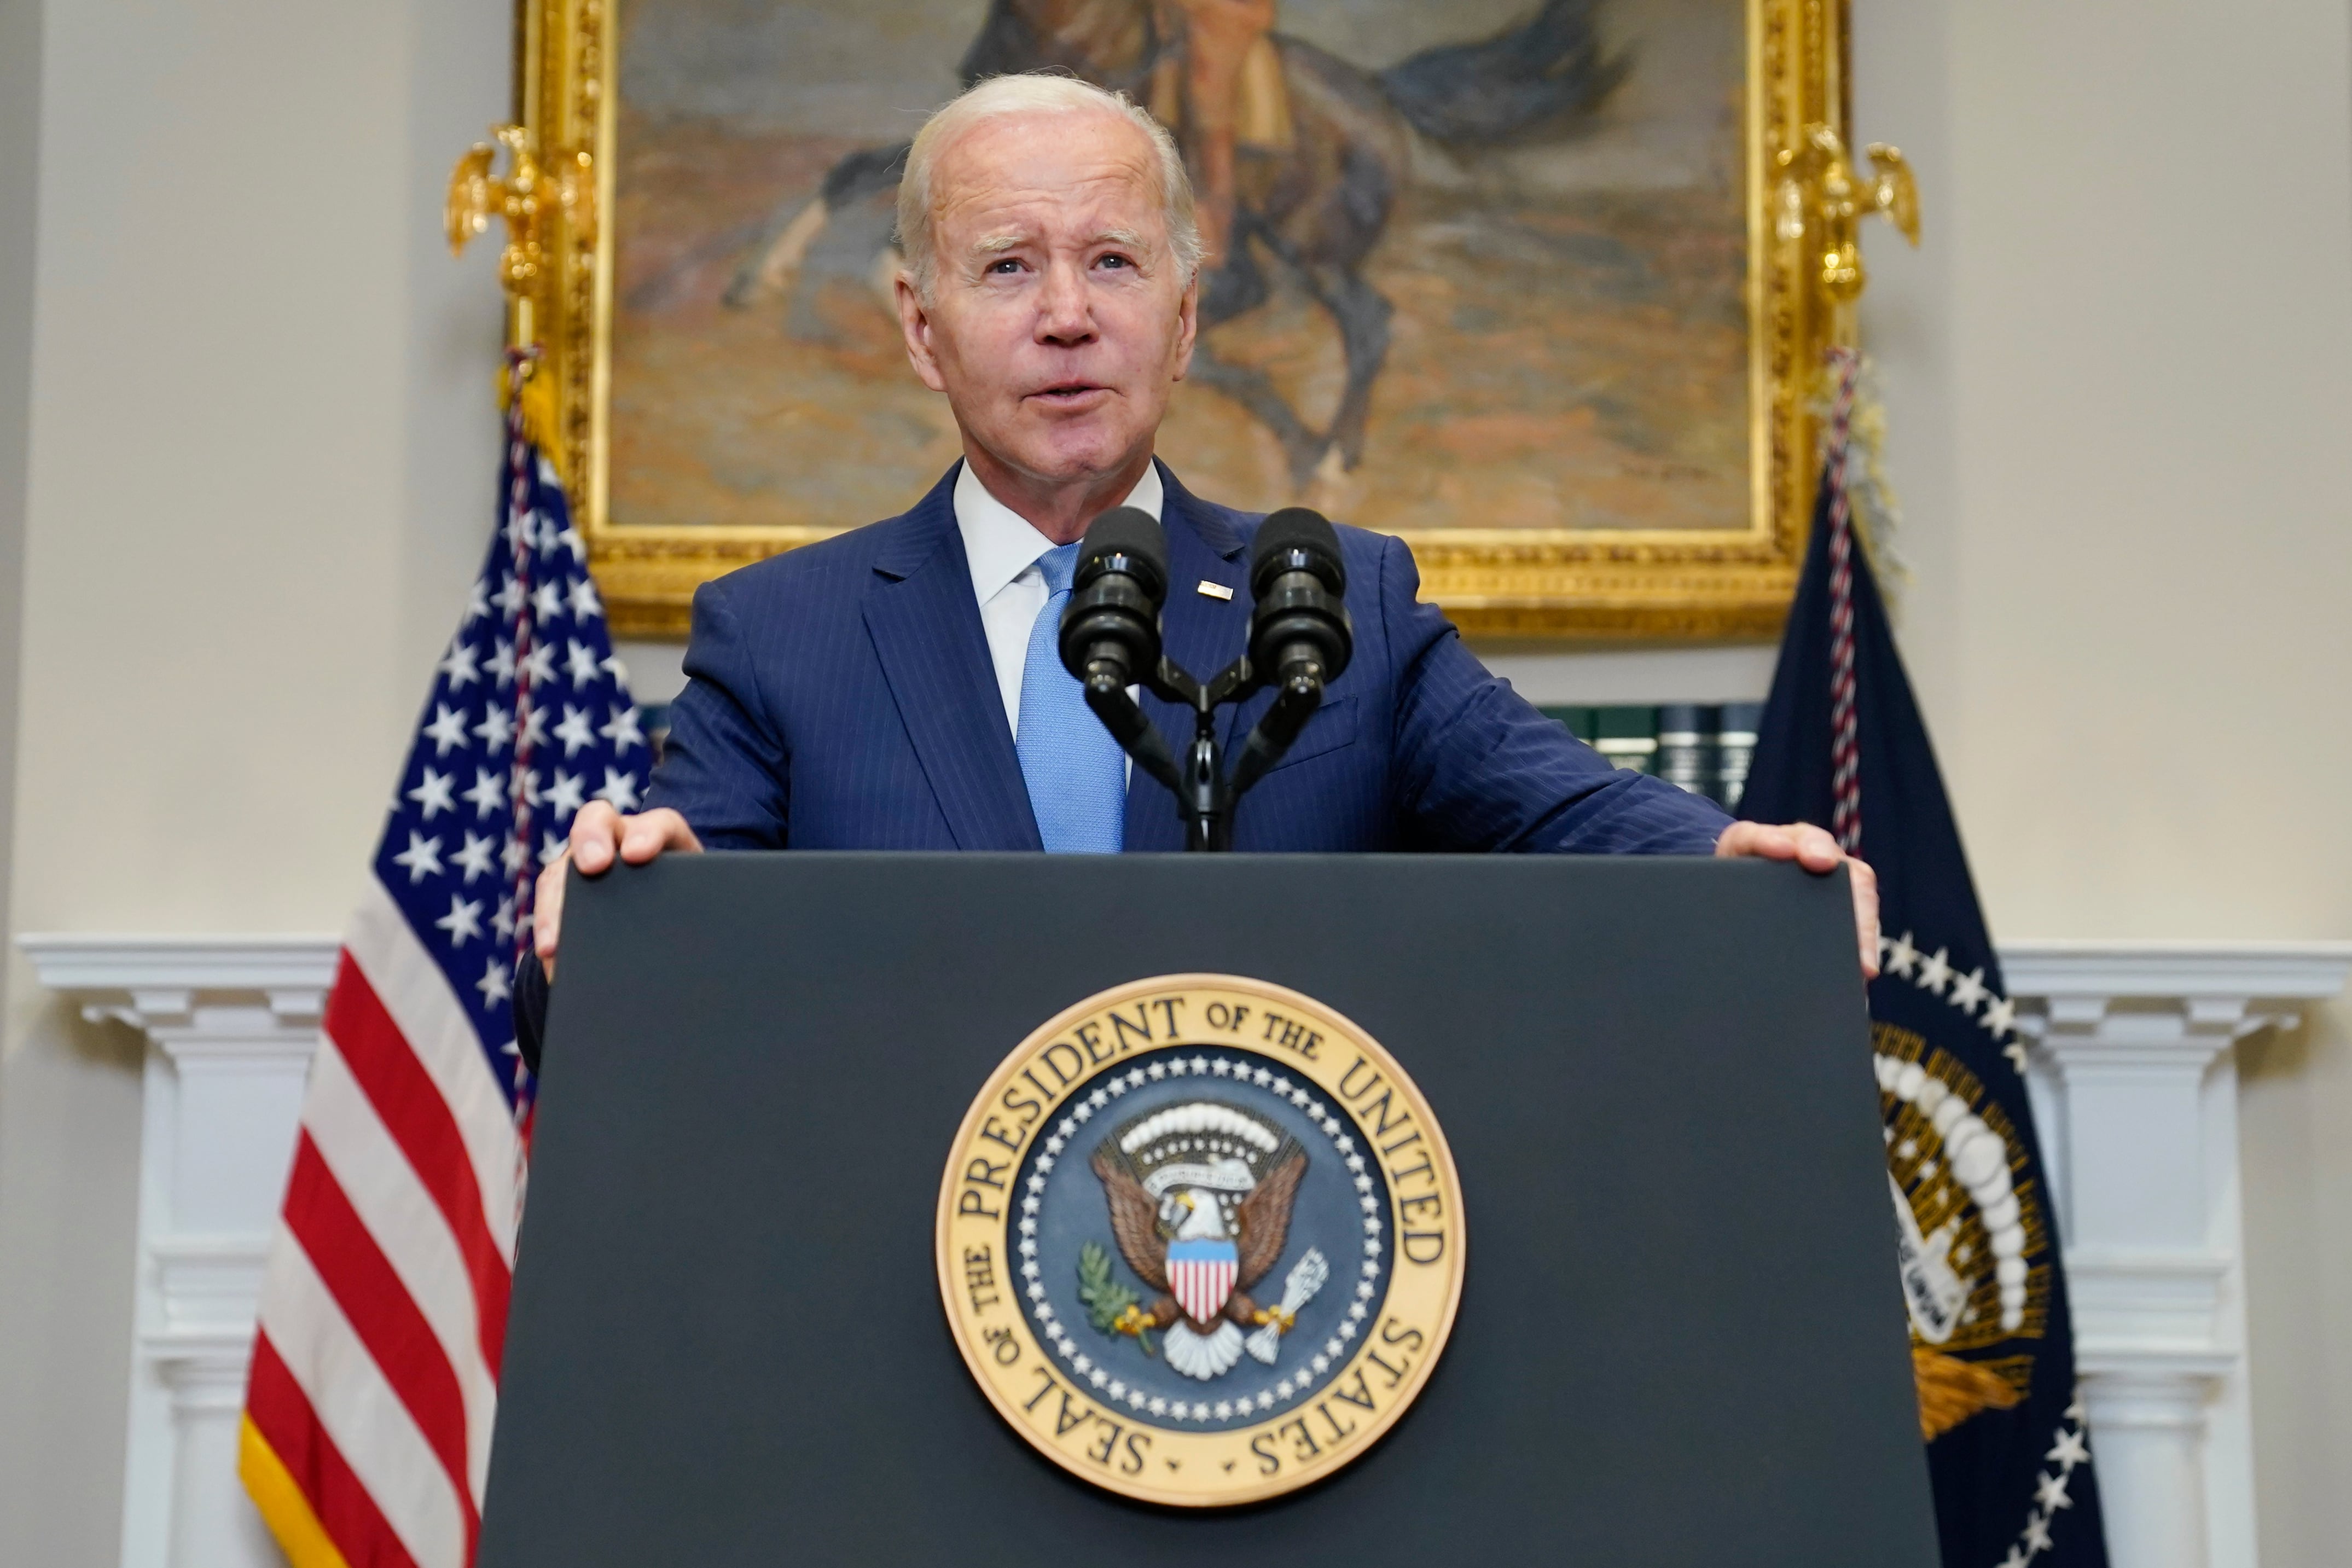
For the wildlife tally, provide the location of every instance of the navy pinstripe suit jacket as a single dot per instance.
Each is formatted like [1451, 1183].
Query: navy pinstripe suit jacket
[842, 698]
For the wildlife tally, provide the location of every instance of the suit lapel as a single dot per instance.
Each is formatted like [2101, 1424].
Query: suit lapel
[1201, 633]
[926, 628]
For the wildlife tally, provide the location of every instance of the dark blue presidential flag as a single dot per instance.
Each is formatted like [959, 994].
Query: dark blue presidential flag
[1842, 744]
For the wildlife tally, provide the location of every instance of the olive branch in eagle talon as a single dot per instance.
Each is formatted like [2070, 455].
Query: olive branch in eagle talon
[1110, 1306]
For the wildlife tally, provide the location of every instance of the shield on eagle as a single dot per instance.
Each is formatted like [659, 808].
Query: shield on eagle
[1200, 1276]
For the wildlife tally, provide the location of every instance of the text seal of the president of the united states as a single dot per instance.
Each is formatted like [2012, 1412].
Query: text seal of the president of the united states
[1200, 1240]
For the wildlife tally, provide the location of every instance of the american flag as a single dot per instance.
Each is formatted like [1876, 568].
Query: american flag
[376, 1370]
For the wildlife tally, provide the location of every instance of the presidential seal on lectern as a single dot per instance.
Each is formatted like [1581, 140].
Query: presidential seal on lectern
[1201, 1240]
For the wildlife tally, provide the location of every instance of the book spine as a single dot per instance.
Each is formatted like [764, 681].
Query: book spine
[1735, 748]
[1628, 737]
[1687, 747]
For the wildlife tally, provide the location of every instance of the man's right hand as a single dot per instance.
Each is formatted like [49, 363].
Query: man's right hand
[598, 834]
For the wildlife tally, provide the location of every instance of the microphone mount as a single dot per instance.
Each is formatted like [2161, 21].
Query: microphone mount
[1300, 639]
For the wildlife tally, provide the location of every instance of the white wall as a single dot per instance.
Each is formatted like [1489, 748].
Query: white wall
[20, 117]
[256, 473]
[261, 463]
[20, 106]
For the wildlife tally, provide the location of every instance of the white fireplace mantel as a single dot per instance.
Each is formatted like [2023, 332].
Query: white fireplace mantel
[230, 1024]
[2135, 1082]
[2132, 1070]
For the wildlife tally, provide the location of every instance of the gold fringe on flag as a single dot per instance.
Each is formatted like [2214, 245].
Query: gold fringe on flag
[1877, 510]
[283, 1506]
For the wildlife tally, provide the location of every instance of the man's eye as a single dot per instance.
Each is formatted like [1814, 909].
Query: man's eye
[1004, 267]
[1113, 259]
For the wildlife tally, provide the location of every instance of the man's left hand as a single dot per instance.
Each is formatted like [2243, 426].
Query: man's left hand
[1817, 852]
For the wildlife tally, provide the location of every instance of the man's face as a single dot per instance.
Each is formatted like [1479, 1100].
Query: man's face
[1059, 323]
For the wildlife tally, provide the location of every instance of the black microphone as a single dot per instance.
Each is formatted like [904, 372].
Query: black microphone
[1300, 636]
[1110, 628]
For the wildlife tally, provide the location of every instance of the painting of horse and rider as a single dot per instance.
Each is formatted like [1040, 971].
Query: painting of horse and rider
[1477, 265]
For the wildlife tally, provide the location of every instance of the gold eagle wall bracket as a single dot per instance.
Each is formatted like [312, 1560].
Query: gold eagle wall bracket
[1820, 201]
[534, 196]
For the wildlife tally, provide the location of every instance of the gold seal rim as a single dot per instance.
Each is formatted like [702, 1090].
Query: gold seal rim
[952, 1283]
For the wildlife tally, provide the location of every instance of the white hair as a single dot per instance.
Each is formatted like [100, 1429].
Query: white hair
[1001, 96]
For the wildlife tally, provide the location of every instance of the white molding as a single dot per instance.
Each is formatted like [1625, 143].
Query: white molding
[2177, 970]
[76, 964]
[2132, 1071]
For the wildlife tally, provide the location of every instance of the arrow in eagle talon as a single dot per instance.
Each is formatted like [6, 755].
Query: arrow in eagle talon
[1306, 1277]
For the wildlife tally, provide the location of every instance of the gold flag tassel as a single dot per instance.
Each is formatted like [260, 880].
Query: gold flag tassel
[1952, 1390]
[1877, 510]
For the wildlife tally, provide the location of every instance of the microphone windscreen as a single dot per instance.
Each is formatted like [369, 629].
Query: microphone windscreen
[1294, 528]
[1131, 531]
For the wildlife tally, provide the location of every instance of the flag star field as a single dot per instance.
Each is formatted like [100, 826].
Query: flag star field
[451, 852]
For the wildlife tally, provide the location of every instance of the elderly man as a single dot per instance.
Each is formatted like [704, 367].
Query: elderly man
[897, 687]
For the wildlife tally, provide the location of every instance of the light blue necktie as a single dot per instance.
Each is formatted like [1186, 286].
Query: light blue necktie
[1075, 772]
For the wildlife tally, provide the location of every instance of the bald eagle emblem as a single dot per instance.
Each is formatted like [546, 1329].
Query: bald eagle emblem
[1199, 1196]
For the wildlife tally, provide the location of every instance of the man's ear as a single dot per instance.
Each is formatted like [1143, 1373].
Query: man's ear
[1188, 325]
[915, 325]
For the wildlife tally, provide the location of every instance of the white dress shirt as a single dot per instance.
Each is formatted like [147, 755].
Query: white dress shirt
[1001, 547]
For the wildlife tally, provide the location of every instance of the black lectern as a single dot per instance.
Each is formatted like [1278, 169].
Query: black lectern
[1680, 1338]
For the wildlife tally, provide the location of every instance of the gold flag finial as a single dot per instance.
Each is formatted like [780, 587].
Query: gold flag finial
[1820, 200]
[532, 197]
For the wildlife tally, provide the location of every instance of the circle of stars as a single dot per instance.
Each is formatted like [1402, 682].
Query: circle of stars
[1899, 956]
[2072, 1448]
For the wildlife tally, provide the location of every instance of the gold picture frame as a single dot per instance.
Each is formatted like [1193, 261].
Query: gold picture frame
[1803, 202]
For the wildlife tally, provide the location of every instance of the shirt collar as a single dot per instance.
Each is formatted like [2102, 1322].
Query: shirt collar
[999, 543]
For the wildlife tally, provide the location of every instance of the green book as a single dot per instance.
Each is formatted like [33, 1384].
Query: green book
[1686, 743]
[1628, 737]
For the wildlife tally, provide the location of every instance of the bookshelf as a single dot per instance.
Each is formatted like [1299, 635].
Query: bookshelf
[1703, 747]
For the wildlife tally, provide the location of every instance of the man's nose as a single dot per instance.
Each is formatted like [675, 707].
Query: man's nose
[1065, 311]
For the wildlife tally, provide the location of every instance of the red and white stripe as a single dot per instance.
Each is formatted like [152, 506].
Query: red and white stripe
[1845, 754]
[1201, 1288]
[384, 1311]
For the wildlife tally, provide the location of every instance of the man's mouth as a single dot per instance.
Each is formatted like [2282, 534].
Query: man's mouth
[1068, 394]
